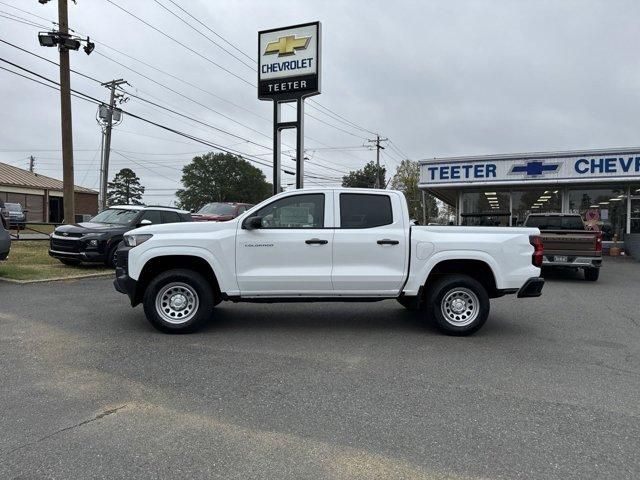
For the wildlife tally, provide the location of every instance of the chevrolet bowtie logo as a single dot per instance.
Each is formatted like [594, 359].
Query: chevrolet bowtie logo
[287, 45]
[535, 168]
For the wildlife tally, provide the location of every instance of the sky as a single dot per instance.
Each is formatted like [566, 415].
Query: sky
[437, 78]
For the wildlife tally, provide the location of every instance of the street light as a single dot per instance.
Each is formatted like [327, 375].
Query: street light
[47, 39]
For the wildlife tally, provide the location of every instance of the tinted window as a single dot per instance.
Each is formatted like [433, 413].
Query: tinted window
[556, 223]
[170, 217]
[154, 216]
[218, 209]
[360, 210]
[299, 211]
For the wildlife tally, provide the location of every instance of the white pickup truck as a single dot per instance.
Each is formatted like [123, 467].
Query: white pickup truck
[327, 245]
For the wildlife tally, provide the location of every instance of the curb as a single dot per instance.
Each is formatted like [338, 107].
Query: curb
[57, 279]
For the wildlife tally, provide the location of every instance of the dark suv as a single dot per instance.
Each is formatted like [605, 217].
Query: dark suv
[97, 240]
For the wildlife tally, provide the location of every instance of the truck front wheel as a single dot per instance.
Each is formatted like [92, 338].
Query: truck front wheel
[178, 301]
[458, 304]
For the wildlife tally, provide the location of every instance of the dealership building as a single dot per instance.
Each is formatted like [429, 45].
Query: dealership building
[603, 186]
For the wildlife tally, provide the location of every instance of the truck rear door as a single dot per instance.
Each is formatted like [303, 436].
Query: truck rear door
[370, 245]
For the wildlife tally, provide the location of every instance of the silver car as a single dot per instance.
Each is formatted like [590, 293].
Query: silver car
[5, 240]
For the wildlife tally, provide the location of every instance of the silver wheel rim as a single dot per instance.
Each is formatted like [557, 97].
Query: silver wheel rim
[177, 303]
[460, 307]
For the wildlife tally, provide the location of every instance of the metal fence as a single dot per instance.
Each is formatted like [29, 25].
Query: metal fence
[31, 231]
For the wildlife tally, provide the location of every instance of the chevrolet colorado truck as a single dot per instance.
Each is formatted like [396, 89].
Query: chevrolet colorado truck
[567, 242]
[327, 245]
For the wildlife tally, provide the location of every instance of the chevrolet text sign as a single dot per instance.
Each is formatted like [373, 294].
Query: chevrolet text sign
[622, 165]
[289, 62]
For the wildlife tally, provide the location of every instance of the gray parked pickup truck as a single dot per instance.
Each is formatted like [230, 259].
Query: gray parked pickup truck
[567, 243]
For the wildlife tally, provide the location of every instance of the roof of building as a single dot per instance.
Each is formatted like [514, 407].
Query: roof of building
[17, 177]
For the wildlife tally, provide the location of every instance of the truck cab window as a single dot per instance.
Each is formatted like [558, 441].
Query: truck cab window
[299, 211]
[361, 210]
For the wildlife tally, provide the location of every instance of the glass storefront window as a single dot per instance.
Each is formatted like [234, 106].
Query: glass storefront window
[525, 202]
[602, 209]
[635, 209]
[487, 208]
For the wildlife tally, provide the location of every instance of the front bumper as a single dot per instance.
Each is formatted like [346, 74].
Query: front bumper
[531, 288]
[89, 256]
[123, 283]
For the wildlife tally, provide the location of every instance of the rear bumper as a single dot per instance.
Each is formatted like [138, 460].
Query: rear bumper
[531, 288]
[572, 262]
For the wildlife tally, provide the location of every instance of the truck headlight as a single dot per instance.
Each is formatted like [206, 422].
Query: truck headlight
[135, 240]
[93, 243]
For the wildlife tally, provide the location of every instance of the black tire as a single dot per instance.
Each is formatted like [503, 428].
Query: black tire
[192, 287]
[473, 302]
[112, 257]
[591, 274]
[69, 261]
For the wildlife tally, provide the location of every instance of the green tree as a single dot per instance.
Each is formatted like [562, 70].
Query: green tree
[365, 178]
[406, 180]
[125, 189]
[221, 177]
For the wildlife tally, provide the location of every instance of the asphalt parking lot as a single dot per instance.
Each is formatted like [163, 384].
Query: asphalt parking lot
[549, 388]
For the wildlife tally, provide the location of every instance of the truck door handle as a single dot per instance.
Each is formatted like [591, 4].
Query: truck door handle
[386, 241]
[316, 241]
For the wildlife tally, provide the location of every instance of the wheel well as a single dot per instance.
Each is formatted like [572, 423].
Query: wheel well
[157, 265]
[476, 269]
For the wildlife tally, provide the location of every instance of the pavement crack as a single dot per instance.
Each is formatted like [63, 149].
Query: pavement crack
[99, 416]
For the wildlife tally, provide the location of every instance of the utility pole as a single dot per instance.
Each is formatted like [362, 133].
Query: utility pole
[32, 162]
[65, 118]
[424, 208]
[65, 42]
[104, 168]
[379, 147]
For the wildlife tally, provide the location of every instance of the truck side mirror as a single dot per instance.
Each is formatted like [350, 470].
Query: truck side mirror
[143, 223]
[251, 223]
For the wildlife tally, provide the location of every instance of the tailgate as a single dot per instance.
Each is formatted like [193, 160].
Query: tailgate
[570, 242]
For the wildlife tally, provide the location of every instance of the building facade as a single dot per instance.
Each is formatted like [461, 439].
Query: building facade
[603, 186]
[41, 196]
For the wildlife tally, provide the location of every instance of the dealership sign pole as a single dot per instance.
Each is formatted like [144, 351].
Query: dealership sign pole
[289, 71]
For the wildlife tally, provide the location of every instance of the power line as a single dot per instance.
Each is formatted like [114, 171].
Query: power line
[181, 44]
[166, 108]
[91, 99]
[205, 36]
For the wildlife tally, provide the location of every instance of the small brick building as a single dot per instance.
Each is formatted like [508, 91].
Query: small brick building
[42, 196]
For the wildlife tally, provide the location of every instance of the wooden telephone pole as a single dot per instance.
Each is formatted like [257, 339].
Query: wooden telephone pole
[65, 117]
[379, 147]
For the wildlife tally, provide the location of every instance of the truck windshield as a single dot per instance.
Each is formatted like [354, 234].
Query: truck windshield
[14, 207]
[556, 223]
[115, 216]
[218, 209]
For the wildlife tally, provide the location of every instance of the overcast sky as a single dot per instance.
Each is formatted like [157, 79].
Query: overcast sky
[438, 78]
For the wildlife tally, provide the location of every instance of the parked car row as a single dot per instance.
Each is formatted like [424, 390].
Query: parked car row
[97, 241]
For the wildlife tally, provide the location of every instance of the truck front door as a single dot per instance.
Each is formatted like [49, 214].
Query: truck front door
[370, 247]
[290, 251]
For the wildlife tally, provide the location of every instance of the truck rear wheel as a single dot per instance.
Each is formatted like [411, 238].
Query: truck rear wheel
[458, 304]
[591, 274]
[178, 301]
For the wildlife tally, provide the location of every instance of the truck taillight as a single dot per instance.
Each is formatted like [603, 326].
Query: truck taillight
[599, 242]
[538, 250]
